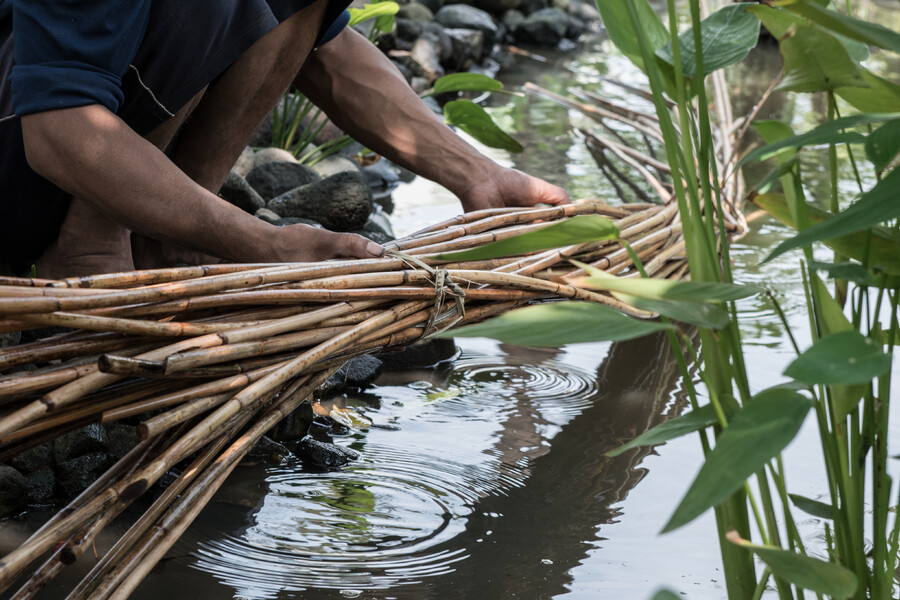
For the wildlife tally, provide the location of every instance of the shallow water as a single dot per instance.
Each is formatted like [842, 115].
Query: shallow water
[491, 480]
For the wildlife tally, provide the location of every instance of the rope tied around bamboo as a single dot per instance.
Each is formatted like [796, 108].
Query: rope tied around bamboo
[443, 285]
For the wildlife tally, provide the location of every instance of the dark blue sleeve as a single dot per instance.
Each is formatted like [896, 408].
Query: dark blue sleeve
[72, 53]
[335, 28]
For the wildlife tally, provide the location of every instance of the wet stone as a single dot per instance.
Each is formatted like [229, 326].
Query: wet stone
[334, 165]
[323, 455]
[41, 487]
[77, 474]
[433, 5]
[13, 491]
[547, 27]
[269, 449]
[468, 46]
[89, 439]
[408, 29]
[457, 16]
[532, 6]
[332, 386]
[420, 355]
[267, 215]
[34, 458]
[275, 178]
[294, 426]
[121, 438]
[341, 202]
[237, 191]
[362, 370]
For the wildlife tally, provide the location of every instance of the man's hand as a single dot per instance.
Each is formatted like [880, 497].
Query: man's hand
[511, 187]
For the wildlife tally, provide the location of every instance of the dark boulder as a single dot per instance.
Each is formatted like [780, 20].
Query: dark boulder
[87, 440]
[546, 27]
[341, 202]
[275, 178]
[13, 491]
[323, 455]
[460, 16]
[77, 474]
[239, 192]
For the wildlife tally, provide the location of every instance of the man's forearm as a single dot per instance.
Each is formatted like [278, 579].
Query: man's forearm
[367, 97]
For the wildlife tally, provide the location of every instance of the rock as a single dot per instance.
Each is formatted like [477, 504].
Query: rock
[275, 178]
[262, 137]
[10, 338]
[562, 5]
[497, 7]
[267, 155]
[438, 35]
[13, 491]
[268, 448]
[244, 162]
[77, 474]
[294, 426]
[468, 47]
[408, 30]
[531, 6]
[420, 355]
[460, 16]
[586, 12]
[576, 27]
[122, 438]
[414, 11]
[323, 455]
[334, 165]
[404, 70]
[269, 216]
[362, 370]
[433, 5]
[381, 174]
[297, 221]
[379, 218]
[41, 487]
[512, 19]
[341, 202]
[240, 193]
[33, 459]
[332, 386]
[547, 27]
[87, 440]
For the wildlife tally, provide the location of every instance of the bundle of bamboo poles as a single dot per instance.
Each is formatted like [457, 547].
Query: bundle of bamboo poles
[212, 357]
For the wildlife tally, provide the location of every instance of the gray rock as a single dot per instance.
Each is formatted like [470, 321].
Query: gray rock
[433, 5]
[512, 19]
[362, 370]
[334, 165]
[585, 11]
[408, 30]
[417, 12]
[267, 155]
[468, 47]
[547, 27]
[269, 449]
[122, 438]
[297, 221]
[77, 474]
[275, 178]
[294, 426]
[420, 355]
[530, 6]
[267, 215]
[381, 174]
[576, 27]
[332, 386]
[87, 440]
[13, 491]
[438, 35]
[341, 202]
[41, 487]
[34, 458]
[456, 16]
[323, 455]
[240, 193]
[497, 7]
[244, 162]
[263, 135]
[404, 70]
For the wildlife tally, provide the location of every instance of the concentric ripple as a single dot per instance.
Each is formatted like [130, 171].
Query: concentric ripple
[394, 516]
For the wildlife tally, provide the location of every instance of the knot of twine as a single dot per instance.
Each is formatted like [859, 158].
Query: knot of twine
[443, 287]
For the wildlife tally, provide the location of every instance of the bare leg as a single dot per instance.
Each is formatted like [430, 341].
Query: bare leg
[222, 119]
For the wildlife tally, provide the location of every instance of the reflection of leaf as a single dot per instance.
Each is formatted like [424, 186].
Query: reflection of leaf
[757, 433]
[442, 394]
[803, 571]
[349, 418]
[695, 420]
[475, 121]
[553, 325]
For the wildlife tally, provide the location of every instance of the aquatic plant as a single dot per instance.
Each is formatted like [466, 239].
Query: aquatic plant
[844, 378]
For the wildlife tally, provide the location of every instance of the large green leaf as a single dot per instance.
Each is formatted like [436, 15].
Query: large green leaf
[373, 11]
[883, 144]
[701, 314]
[846, 358]
[874, 207]
[666, 289]
[757, 433]
[863, 31]
[622, 33]
[879, 249]
[815, 61]
[466, 82]
[812, 507]
[553, 325]
[879, 96]
[777, 21]
[726, 37]
[577, 230]
[803, 571]
[693, 421]
[475, 121]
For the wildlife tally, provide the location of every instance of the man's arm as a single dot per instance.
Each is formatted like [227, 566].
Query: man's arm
[92, 154]
[366, 96]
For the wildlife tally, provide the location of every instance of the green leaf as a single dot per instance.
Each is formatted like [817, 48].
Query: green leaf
[695, 420]
[875, 206]
[695, 313]
[846, 357]
[757, 433]
[617, 23]
[466, 82]
[879, 96]
[553, 325]
[778, 22]
[863, 31]
[805, 572]
[879, 249]
[883, 144]
[726, 37]
[665, 289]
[577, 230]
[475, 121]
[666, 595]
[829, 314]
[812, 507]
[372, 11]
[815, 61]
